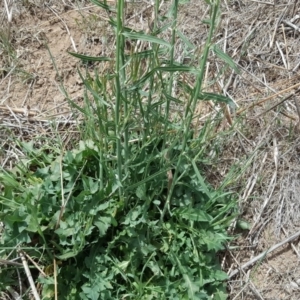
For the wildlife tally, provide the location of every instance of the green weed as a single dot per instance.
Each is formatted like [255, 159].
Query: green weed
[127, 214]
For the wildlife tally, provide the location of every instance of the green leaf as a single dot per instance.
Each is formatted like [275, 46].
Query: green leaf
[146, 38]
[64, 232]
[67, 255]
[207, 21]
[200, 178]
[242, 224]
[144, 79]
[226, 58]
[91, 292]
[141, 192]
[92, 90]
[90, 58]
[220, 296]
[168, 68]
[103, 206]
[17, 218]
[33, 223]
[194, 215]
[176, 68]
[213, 240]
[171, 98]
[28, 147]
[185, 40]
[216, 97]
[104, 5]
[220, 275]
[103, 223]
[192, 287]
[149, 178]
[90, 185]
[165, 27]
[146, 54]
[9, 180]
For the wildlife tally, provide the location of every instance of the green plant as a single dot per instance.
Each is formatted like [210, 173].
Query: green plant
[6, 49]
[7, 52]
[127, 214]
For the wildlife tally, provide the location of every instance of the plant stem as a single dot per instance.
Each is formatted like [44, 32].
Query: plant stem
[192, 103]
[119, 80]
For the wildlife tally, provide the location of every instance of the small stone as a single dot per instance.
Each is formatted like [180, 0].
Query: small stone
[294, 285]
[40, 82]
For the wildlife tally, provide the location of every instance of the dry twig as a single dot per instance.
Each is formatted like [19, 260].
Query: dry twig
[29, 276]
[263, 254]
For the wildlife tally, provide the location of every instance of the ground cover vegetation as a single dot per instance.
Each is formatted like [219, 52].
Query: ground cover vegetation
[126, 212]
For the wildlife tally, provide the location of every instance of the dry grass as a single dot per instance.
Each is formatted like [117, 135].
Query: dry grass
[262, 38]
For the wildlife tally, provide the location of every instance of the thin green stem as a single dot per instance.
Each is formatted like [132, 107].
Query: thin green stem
[156, 14]
[173, 41]
[172, 52]
[119, 80]
[191, 107]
